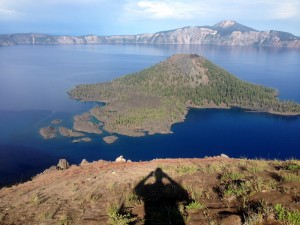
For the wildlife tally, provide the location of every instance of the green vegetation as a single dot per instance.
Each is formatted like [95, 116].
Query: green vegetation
[215, 168]
[133, 200]
[94, 197]
[65, 220]
[245, 189]
[48, 214]
[186, 169]
[285, 215]
[120, 216]
[289, 177]
[195, 206]
[237, 190]
[292, 167]
[36, 200]
[1, 216]
[232, 176]
[155, 98]
[195, 192]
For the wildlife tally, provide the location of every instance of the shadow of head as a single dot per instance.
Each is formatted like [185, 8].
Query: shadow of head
[162, 198]
[158, 173]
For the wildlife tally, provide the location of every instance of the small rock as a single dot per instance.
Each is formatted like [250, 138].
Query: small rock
[56, 121]
[48, 132]
[224, 156]
[85, 139]
[62, 164]
[128, 160]
[232, 219]
[84, 161]
[113, 173]
[120, 159]
[110, 139]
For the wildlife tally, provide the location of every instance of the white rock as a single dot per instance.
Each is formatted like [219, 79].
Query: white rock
[84, 161]
[224, 156]
[120, 159]
[62, 164]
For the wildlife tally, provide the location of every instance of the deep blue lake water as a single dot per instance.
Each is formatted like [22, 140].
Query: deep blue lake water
[34, 81]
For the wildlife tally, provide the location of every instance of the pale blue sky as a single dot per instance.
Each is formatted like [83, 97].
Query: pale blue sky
[109, 17]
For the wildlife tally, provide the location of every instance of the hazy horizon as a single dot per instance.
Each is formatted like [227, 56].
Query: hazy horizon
[127, 17]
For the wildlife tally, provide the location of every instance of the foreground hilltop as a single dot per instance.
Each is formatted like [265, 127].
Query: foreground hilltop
[215, 190]
[226, 32]
[157, 97]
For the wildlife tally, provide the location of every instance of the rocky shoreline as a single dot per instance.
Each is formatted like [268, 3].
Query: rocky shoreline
[66, 132]
[165, 128]
[82, 123]
[152, 100]
[82, 127]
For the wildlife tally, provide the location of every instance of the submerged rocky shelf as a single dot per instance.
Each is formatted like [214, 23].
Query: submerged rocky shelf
[151, 100]
[48, 132]
[82, 127]
[110, 139]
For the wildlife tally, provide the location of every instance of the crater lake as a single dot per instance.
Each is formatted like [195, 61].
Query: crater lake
[34, 81]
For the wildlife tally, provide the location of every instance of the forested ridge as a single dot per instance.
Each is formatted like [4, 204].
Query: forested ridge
[164, 91]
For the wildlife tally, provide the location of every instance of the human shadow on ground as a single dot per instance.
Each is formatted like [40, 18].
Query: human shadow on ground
[164, 199]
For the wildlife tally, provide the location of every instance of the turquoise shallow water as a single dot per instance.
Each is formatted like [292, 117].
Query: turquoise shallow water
[34, 81]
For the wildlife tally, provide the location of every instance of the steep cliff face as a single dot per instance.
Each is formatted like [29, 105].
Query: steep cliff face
[226, 32]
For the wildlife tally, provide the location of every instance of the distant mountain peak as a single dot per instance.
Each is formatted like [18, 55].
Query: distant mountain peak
[225, 23]
[229, 26]
[226, 32]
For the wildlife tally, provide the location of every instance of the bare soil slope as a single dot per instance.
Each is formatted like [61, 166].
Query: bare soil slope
[215, 190]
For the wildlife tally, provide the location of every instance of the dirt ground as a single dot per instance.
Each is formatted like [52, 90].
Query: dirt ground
[209, 191]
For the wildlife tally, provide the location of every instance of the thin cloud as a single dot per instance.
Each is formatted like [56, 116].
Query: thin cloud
[152, 9]
[158, 10]
[135, 16]
[8, 12]
[50, 11]
[287, 10]
[190, 9]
